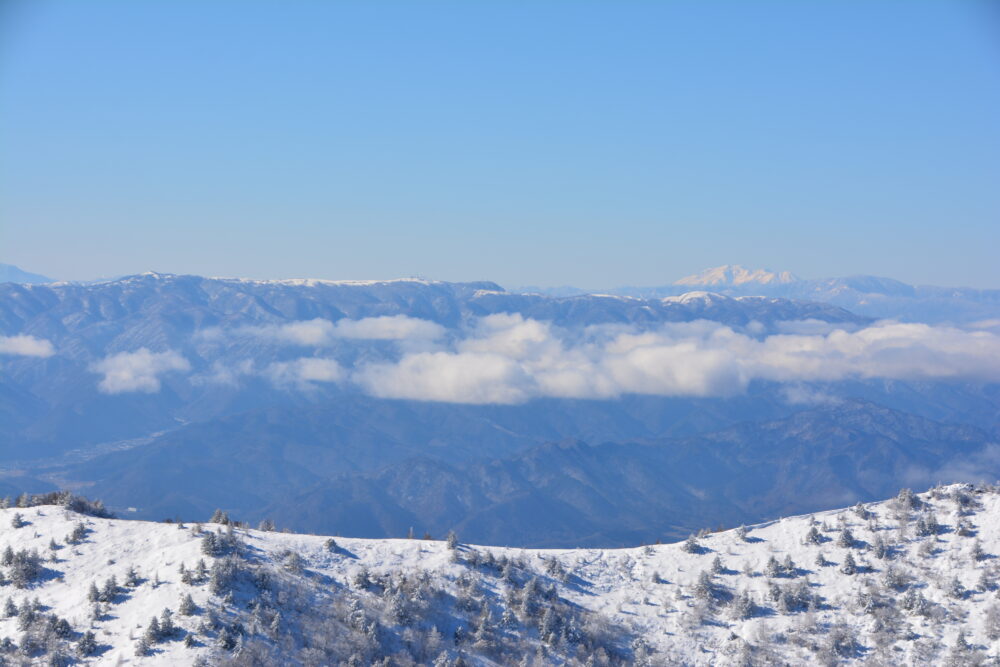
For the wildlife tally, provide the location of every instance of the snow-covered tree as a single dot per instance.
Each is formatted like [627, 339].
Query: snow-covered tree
[152, 634]
[849, 566]
[741, 606]
[846, 539]
[86, 645]
[167, 627]
[691, 545]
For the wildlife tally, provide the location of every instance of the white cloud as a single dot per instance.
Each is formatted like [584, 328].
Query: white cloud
[506, 358]
[227, 375]
[320, 332]
[137, 371]
[26, 346]
[801, 394]
[389, 327]
[304, 372]
[309, 332]
[472, 377]
[509, 359]
[812, 327]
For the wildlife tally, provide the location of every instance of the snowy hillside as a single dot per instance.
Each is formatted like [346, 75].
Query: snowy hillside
[909, 581]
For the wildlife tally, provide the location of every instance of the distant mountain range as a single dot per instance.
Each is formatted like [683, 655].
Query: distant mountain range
[53, 405]
[870, 296]
[174, 395]
[867, 296]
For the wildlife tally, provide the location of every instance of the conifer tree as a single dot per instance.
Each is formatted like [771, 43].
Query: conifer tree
[849, 567]
[166, 623]
[86, 645]
[152, 634]
[209, 544]
[691, 545]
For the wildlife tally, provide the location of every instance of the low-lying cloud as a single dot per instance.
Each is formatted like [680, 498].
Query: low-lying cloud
[137, 371]
[389, 327]
[26, 346]
[321, 332]
[509, 359]
[304, 372]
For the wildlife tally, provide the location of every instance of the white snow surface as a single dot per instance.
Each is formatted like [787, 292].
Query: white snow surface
[648, 590]
[734, 274]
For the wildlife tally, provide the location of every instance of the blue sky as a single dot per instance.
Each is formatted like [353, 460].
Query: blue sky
[586, 143]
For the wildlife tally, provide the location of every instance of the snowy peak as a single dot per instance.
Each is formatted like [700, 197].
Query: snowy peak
[730, 275]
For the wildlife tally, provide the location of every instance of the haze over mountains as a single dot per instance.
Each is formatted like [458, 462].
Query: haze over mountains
[12, 274]
[369, 407]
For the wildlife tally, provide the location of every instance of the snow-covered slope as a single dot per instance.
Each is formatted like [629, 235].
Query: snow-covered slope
[733, 274]
[922, 590]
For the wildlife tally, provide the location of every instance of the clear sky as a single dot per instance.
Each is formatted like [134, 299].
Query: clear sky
[584, 143]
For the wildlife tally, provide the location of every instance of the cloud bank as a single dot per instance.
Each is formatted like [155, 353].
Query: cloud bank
[509, 359]
[137, 371]
[26, 346]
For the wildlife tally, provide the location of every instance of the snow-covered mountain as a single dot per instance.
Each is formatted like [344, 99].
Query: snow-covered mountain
[871, 296]
[912, 580]
[732, 275]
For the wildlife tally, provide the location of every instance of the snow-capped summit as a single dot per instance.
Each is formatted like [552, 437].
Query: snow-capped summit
[733, 274]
